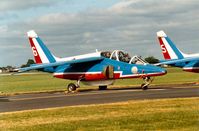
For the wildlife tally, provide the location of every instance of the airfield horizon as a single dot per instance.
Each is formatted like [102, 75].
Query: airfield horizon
[36, 82]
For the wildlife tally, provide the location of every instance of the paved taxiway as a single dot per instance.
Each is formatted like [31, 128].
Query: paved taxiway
[48, 100]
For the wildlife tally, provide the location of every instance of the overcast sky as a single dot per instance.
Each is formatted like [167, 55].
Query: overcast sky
[72, 27]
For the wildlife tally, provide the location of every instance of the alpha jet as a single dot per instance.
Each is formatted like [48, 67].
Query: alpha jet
[175, 57]
[100, 68]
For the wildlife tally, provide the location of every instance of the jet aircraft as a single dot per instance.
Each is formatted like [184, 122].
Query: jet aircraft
[174, 57]
[98, 68]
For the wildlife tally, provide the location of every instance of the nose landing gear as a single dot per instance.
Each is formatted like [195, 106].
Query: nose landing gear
[147, 82]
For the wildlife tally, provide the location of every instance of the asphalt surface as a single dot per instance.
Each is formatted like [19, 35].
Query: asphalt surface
[49, 100]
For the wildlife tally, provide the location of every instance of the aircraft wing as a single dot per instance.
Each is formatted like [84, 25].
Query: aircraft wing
[174, 61]
[55, 64]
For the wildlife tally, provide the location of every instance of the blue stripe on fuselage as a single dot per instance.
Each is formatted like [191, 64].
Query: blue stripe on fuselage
[125, 68]
[192, 64]
[46, 51]
[175, 49]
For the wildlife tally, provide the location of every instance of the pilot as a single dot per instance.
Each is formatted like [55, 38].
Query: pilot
[127, 57]
[108, 54]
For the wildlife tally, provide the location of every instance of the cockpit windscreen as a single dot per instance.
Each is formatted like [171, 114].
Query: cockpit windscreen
[124, 57]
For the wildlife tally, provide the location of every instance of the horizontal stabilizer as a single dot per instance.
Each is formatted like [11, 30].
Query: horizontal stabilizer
[174, 61]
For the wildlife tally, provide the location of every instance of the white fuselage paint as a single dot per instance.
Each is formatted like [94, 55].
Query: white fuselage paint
[115, 72]
[95, 54]
[190, 68]
[190, 55]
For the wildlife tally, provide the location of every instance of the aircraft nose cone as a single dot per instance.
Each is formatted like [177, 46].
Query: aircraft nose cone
[164, 71]
[159, 70]
[152, 70]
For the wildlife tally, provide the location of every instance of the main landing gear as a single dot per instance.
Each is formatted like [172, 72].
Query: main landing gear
[102, 87]
[147, 82]
[73, 87]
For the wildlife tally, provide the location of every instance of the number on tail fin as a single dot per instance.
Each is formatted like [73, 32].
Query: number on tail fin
[34, 51]
[163, 49]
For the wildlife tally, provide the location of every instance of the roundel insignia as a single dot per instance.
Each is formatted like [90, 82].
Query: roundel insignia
[134, 70]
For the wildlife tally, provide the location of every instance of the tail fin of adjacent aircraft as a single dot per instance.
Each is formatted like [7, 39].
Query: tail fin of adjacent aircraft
[169, 50]
[41, 53]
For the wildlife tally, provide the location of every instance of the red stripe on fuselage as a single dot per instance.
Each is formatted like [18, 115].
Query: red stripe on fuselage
[192, 70]
[35, 52]
[76, 76]
[70, 76]
[100, 76]
[164, 49]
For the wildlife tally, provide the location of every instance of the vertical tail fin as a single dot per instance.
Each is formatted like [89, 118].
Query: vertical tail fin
[41, 53]
[169, 50]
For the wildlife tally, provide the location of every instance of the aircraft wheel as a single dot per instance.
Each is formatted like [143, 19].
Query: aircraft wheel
[144, 87]
[72, 87]
[102, 87]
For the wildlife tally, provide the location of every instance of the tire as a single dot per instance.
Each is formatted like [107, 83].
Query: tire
[144, 87]
[102, 87]
[71, 87]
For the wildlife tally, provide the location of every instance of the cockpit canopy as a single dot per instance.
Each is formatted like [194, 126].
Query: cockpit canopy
[124, 57]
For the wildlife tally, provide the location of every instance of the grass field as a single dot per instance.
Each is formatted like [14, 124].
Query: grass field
[166, 114]
[45, 82]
